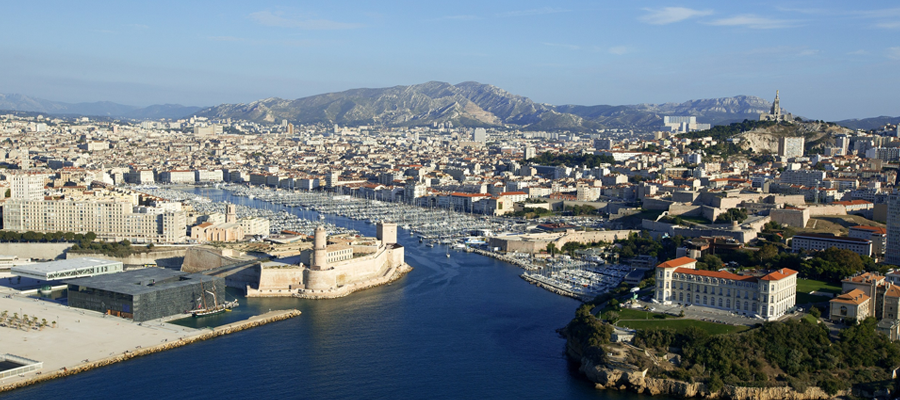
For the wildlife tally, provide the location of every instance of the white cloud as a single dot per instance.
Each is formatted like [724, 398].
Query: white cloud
[269, 18]
[670, 15]
[754, 22]
[619, 50]
[888, 25]
[893, 53]
[808, 52]
[859, 52]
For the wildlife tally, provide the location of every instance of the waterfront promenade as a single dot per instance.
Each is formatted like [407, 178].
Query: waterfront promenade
[79, 335]
[83, 340]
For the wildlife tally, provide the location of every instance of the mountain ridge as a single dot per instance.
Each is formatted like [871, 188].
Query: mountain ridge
[474, 104]
[20, 102]
[467, 104]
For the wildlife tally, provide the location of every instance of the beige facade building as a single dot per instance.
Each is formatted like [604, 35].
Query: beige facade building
[769, 296]
[113, 219]
[852, 306]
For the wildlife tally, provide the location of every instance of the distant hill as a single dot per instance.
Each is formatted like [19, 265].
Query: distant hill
[474, 104]
[18, 102]
[869, 123]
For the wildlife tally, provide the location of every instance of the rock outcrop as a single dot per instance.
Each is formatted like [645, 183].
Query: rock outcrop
[625, 378]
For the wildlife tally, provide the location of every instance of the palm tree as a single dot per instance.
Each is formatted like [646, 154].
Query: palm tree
[43, 323]
[54, 324]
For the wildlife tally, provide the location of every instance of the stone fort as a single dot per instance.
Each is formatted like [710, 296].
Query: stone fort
[335, 266]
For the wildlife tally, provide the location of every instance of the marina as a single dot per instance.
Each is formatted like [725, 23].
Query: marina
[449, 230]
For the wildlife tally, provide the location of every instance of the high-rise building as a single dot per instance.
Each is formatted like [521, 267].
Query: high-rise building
[892, 246]
[603, 144]
[332, 179]
[480, 135]
[530, 152]
[27, 186]
[791, 147]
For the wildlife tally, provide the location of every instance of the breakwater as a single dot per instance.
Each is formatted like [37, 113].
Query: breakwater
[238, 326]
[524, 264]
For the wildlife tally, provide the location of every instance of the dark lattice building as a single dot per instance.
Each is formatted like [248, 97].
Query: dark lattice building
[146, 294]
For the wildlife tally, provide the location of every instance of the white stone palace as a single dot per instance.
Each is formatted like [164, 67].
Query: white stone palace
[768, 296]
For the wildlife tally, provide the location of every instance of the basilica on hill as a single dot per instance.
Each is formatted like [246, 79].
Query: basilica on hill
[776, 114]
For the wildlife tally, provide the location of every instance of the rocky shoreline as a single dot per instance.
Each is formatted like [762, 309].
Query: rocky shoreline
[259, 320]
[623, 378]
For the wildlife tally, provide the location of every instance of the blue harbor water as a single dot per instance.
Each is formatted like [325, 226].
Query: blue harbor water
[457, 328]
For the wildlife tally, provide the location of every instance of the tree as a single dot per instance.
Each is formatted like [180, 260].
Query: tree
[766, 253]
[69, 236]
[710, 262]
[90, 236]
[612, 317]
[733, 214]
[551, 248]
[715, 383]
[815, 312]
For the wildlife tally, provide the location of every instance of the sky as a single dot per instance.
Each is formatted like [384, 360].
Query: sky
[831, 60]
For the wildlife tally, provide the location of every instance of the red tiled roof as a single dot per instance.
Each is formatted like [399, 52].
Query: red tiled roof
[873, 229]
[714, 274]
[676, 262]
[779, 275]
[854, 296]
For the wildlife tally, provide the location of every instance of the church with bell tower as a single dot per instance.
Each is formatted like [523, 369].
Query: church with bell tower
[776, 113]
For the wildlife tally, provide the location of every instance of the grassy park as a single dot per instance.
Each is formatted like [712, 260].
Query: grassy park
[805, 286]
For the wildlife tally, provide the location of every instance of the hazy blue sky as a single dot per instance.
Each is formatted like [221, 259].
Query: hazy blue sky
[830, 59]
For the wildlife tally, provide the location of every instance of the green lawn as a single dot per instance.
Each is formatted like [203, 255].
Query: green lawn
[804, 298]
[809, 318]
[679, 325]
[629, 313]
[809, 285]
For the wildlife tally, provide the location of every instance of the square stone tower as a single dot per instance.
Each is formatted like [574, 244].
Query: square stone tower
[386, 232]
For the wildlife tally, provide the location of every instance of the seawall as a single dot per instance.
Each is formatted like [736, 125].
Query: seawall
[391, 275]
[168, 257]
[49, 251]
[272, 316]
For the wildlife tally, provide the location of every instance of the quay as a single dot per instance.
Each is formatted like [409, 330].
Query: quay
[85, 340]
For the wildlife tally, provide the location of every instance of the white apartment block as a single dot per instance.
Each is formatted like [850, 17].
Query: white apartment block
[791, 147]
[177, 176]
[27, 186]
[816, 242]
[110, 219]
[255, 226]
[803, 177]
[769, 296]
[204, 175]
[140, 177]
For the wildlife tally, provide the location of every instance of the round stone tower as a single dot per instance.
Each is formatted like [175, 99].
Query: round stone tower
[320, 250]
